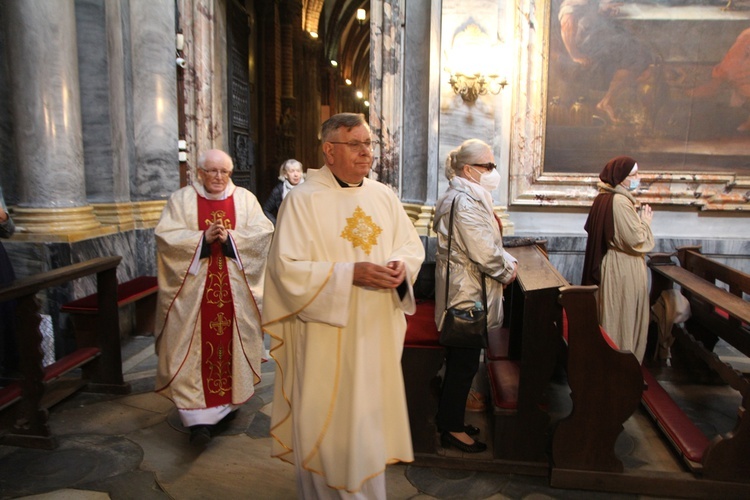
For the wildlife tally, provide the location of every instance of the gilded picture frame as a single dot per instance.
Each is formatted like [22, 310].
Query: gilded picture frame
[709, 171]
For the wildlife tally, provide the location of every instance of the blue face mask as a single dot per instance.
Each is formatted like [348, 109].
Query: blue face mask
[634, 183]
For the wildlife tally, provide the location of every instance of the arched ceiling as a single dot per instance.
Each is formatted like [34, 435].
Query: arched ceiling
[344, 39]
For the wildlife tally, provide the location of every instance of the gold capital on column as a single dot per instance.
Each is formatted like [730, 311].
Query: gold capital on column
[147, 213]
[57, 224]
[424, 224]
[509, 228]
[119, 215]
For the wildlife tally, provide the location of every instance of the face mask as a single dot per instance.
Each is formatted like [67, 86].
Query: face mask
[489, 180]
[634, 183]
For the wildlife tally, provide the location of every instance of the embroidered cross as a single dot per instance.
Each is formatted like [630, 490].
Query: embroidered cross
[361, 230]
[220, 324]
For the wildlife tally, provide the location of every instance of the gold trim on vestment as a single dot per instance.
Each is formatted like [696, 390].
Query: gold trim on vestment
[280, 367]
[271, 322]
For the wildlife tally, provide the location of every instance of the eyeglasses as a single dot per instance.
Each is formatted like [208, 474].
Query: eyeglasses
[489, 165]
[356, 145]
[217, 173]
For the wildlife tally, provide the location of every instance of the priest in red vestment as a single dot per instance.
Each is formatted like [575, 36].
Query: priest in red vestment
[212, 240]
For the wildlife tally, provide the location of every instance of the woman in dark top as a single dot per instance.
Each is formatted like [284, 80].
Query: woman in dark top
[290, 175]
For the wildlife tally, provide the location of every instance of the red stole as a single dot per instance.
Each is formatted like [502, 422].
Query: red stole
[217, 310]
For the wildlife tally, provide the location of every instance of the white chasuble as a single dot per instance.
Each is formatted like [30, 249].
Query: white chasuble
[179, 238]
[339, 402]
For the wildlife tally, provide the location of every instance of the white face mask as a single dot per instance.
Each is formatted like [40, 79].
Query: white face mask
[634, 183]
[489, 180]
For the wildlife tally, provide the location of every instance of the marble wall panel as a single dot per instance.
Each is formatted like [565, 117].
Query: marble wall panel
[460, 120]
[145, 251]
[567, 252]
[137, 248]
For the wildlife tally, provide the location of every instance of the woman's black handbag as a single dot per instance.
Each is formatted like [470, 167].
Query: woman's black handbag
[463, 327]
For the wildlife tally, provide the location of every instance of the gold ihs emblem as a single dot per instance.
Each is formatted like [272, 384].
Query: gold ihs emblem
[219, 216]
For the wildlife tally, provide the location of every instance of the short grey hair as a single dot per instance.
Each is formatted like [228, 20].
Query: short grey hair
[466, 154]
[289, 164]
[341, 120]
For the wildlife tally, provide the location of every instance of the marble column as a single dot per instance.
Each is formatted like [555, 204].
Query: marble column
[486, 118]
[157, 171]
[46, 107]
[102, 75]
[418, 178]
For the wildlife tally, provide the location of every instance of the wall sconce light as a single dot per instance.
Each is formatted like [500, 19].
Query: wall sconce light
[473, 64]
[347, 81]
[361, 16]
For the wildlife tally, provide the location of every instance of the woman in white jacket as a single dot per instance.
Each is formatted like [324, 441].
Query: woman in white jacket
[476, 250]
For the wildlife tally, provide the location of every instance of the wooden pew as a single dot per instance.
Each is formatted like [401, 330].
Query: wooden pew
[716, 312]
[420, 361]
[141, 292]
[24, 403]
[605, 384]
[518, 381]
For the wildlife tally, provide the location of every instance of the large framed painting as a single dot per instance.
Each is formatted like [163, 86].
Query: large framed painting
[664, 81]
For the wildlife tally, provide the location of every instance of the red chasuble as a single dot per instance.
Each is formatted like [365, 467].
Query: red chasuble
[217, 310]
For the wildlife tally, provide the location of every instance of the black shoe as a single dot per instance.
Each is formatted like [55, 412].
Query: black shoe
[471, 430]
[447, 440]
[200, 435]
[468, 429]
[223, 424]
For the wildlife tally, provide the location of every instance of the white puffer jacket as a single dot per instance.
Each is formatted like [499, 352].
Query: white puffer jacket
[477, 248]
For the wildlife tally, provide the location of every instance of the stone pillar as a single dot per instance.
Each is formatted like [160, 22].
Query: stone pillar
[157, 171]
[102, 75]
[43, 70]
[418, 183]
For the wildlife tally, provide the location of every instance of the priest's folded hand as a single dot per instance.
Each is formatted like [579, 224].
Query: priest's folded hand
[367, 274]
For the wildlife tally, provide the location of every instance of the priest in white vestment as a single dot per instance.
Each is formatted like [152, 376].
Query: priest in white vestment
[339, 280]
[212, 241]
